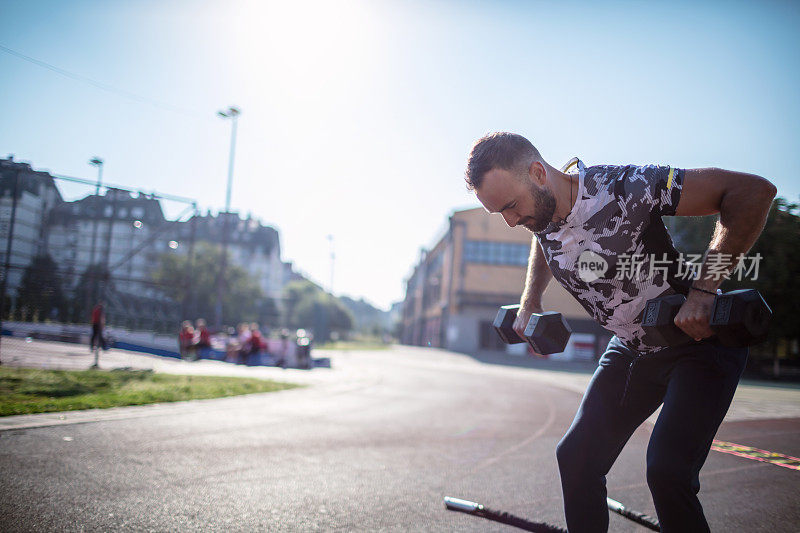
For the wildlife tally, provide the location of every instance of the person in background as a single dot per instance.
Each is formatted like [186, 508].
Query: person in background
[231, 345]
[98, 323]
[186, 340]
[202, 340]
[244, 343]
[282, 355]
[257, 342]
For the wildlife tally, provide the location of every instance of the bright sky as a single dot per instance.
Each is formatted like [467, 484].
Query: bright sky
[357, 116]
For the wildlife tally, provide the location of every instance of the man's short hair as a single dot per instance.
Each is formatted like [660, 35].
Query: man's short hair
[501, 149]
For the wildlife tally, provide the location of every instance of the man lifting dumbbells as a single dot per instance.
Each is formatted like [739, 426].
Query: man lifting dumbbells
[608, 212]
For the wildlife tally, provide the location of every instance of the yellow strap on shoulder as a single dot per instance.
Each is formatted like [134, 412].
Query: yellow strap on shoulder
[571, 163]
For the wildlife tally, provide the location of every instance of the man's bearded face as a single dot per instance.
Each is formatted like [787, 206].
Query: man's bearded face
[544, 206]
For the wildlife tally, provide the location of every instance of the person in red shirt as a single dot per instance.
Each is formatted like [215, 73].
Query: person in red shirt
[257, 342]
[202, 340]
[186, 339]
[98, 323]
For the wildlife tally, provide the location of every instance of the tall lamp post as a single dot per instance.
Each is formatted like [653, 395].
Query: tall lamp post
[96, 162]
[333, 259]
[231, 113]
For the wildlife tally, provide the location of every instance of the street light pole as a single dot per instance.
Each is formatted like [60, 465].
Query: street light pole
[97, 162]
[233, 114]
[333, 259]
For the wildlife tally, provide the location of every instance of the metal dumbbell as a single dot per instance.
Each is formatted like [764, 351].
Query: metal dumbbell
[546, 332]
[738, 318]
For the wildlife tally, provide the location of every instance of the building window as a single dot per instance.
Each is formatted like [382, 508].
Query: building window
[496, 253]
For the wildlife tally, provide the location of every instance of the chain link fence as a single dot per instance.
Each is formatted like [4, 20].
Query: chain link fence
[68, 244]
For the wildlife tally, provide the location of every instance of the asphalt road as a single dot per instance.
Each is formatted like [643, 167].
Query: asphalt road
[374, 444]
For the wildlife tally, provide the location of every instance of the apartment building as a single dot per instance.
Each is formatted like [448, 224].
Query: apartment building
[36, 196]
[125, 231]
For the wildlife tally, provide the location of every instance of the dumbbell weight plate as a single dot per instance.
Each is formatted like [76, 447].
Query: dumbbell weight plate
[658, 320]
[504, 324]
[548, 333]
[740, 318]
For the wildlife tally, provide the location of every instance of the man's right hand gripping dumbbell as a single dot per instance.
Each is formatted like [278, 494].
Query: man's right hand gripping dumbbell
[546, 333]
[738, 318]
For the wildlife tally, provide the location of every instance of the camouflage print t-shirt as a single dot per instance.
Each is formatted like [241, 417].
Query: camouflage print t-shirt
[610, 250]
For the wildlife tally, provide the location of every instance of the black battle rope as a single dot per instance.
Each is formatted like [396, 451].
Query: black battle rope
[640, 518]
[476, 509]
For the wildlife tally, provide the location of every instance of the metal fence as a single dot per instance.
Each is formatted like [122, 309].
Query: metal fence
[68, 244]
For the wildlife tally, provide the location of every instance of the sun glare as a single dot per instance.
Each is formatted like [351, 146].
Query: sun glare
[303, 44]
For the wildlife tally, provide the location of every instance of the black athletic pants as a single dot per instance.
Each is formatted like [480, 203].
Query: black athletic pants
[695, 382]
[97, 335]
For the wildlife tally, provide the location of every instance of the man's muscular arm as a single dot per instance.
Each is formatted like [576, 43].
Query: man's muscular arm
[743, 202]
[536, 281]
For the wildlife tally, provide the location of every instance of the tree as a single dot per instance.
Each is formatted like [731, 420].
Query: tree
[88, 291]
[322, 313]
[195, 286]
[308, 306]
[268, 312]
[777, 281]
[368, 319]
[40, 293]
[294, 292]
[779, 250]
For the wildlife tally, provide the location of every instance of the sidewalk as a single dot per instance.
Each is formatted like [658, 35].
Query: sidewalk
[753, 400]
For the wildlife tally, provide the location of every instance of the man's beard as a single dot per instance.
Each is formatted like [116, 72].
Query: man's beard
[545, 208]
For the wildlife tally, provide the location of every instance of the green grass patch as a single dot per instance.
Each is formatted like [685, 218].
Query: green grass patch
[30, 390]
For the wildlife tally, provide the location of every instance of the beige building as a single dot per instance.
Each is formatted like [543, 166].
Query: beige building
[455, 290]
